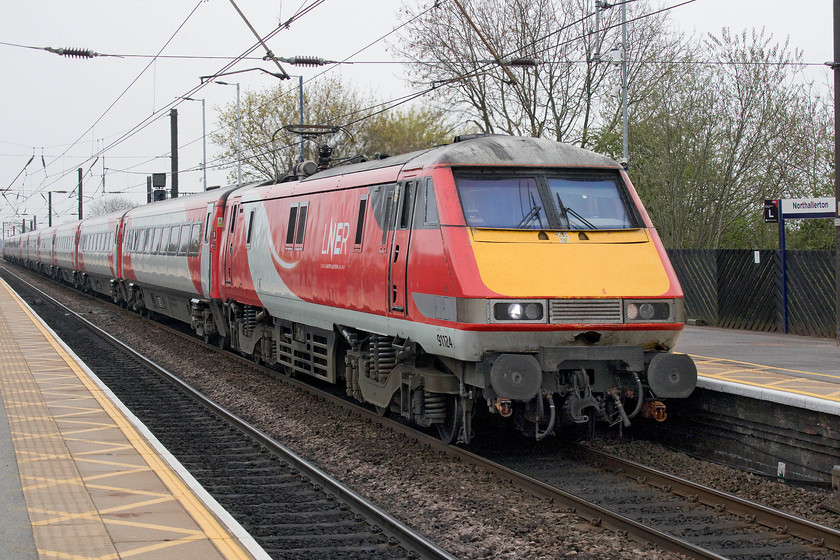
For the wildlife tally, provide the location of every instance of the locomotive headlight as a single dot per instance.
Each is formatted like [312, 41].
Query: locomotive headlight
[519, 311]
[654, 311]
[533, 311]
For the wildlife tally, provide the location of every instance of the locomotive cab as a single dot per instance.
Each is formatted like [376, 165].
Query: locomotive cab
[571, 307]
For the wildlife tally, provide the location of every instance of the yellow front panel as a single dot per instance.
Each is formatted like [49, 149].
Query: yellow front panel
[607, 264]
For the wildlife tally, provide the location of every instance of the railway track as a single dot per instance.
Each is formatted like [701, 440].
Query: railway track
[291, 508]
[676, 514]
[632, 500]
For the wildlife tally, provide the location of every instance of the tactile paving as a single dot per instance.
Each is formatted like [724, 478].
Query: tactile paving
[94, 488]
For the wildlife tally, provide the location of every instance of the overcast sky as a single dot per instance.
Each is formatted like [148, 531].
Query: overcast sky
[69, 109]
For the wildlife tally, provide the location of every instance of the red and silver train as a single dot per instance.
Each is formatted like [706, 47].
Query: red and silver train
[518, 275]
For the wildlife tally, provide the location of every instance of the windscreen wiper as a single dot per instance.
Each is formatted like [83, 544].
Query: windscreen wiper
[565, 211]
[583, 220]
[533, 213]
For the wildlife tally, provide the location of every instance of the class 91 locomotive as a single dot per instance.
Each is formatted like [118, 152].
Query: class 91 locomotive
[517, 276]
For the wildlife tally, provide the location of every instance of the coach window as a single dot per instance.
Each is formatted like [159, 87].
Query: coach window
[407, 199]
[290, 231]
[232, 222]
[195, 239]
[387, 207]
[184, 245]
[164, 240]
[250, 229]
[431, 217]
[156, 241]
[174, 239]
[207, 226]
[297, 226]
[301, 226]
[360, 224]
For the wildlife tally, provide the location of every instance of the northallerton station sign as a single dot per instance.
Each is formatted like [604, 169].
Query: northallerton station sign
[808, 207]
[824, 207]
[777, 211]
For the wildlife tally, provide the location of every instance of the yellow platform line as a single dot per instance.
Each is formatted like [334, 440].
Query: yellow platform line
[771, 369]
[758, 370]
[203, 517]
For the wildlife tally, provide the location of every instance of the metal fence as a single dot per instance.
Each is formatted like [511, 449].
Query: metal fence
[742, 289]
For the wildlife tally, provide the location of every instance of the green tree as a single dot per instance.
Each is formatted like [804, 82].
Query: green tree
[270, 148]
[733, 124]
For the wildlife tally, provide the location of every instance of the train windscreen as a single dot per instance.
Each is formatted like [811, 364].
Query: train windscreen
[588, 201]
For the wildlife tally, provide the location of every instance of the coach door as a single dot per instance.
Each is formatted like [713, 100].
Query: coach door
[206, 258]
[228, 249]
[403, 214]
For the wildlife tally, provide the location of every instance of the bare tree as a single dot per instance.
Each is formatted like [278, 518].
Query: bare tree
[561, 97]
[366, 127]
[108, 204]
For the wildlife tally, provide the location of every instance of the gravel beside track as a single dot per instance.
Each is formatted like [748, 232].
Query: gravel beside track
[471, 514]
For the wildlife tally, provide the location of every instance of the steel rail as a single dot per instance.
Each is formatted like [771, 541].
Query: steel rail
[592, 513]
[817, 534]
[408, 538]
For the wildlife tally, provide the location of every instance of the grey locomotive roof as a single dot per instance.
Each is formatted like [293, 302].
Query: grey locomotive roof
[490, 150]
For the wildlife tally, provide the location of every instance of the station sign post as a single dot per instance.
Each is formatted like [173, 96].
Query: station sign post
[777, 211]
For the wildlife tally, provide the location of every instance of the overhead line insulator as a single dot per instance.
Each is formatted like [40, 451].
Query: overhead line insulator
[305, 61]
[73, 52]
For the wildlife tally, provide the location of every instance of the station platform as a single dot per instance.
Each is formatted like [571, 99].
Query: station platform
[788, 369]
[80, 477]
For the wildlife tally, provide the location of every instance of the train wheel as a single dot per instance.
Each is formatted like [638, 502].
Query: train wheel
[448, 431]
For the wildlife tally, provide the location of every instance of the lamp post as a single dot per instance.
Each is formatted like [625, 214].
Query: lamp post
[300, 100]
[624, 144]
[203, 140]
[238, 132]
[5, 224]
[299, 61]
[619, 58]
[49, 205]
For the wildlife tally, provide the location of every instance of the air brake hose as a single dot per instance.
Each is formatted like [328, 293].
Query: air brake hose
[551, 419]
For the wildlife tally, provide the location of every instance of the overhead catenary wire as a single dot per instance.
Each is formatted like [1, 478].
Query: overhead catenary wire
[388, 105]
[161, 112]
[385, 106]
